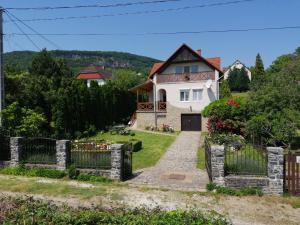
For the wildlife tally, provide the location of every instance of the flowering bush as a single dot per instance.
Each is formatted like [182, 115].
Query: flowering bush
[226, 116]
[167, 128]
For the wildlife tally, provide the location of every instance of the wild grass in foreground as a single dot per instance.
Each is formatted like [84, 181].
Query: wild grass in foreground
[234, 192]
[29, 211]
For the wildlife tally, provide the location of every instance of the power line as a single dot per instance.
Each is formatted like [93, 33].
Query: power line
[94, 5]
[32, 42]
[165, 33]
[30, 28]
[139, 12]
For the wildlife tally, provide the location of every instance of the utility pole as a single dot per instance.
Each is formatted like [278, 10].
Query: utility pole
[2, 92]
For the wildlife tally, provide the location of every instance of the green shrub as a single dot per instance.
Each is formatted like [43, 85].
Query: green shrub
[34, 172]
[26, 211]
[73, 172]
[93, 178]
[136, 145]
[234, 192]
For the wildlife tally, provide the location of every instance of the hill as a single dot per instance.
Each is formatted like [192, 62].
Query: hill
[80, 59]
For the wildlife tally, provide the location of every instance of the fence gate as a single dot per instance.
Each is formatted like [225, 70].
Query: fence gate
[291, 173]
[127, 163]
[4, 146]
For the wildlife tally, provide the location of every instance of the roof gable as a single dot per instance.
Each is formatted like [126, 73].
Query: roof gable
[182, 54]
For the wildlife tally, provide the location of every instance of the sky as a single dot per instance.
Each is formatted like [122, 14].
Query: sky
[229, 46]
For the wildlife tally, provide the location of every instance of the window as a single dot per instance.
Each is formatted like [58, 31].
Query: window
[194, 69]
[178, 69]
[184, 95]
[197, 94]
[186, 69]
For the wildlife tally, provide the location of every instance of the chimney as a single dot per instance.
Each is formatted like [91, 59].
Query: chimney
[199, 51]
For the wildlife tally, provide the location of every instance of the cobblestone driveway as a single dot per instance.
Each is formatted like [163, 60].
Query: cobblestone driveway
[177, 167]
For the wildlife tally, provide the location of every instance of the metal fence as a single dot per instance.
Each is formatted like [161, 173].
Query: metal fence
[91, 155]
[39, 151]
[208, 158]
[4, 145]
[246, 160]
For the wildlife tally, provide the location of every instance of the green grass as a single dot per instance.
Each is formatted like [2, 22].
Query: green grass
[154, 146]
[240, 94]
[201, 159]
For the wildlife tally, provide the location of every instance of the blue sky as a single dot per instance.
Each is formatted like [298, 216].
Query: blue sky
[229, 46]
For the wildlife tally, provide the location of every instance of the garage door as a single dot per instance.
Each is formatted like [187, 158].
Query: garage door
[191, 122]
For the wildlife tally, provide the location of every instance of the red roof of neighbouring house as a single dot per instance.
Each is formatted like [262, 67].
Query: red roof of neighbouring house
[212, 62]
[94, 72]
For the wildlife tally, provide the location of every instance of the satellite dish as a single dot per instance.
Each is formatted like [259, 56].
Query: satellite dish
[208, 83]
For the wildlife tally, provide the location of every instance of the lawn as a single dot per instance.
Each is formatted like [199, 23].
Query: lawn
[154, 146]
[240, 94]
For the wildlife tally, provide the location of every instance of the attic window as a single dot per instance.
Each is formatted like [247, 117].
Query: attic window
[186, 69]
[179, 69]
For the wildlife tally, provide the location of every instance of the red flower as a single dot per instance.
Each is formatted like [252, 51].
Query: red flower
[232, 102]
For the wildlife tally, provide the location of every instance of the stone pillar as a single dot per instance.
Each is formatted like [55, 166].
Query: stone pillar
[116, 161]
[275, 170]
[217, 164]
[63, 154]
[16, 148]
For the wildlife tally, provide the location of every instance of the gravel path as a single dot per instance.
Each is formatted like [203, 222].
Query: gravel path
[178, 166]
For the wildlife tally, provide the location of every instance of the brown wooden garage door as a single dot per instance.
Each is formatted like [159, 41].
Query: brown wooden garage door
[191, 122]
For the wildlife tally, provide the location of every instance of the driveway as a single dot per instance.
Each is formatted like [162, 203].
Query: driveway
[178, 166]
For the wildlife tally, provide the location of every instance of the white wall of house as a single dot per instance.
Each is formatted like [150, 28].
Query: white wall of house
[237, 65]
[99, 81]
[199, 96]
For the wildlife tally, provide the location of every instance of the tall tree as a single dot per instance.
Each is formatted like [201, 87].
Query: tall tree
[238, 80]
[225, 89]
[258, 73]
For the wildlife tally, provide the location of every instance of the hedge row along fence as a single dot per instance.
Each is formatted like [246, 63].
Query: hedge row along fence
[94, 157]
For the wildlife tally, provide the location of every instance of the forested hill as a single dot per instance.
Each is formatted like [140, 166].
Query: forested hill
[80, 59]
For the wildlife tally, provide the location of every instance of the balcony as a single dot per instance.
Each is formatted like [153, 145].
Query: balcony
[185, 77]
[149, 106]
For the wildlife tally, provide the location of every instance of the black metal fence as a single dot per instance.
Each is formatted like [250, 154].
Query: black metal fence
[246, 160]
[127, 162]
[91, 155]
[4, 145]
[39, 151]
[208, 158]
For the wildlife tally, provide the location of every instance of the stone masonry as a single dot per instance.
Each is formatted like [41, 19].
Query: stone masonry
[16, 147]
[217, 164]
[275, 170]
[116, 161]
[63, 154]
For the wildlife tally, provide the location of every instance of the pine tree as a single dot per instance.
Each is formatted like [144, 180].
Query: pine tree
[258, 73]
[225, 89]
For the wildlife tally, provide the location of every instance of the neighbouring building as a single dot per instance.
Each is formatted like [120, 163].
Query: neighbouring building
[94, 73]
[177, 90]
[236, 65]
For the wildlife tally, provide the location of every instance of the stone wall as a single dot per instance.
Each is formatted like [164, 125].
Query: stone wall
[270, 184]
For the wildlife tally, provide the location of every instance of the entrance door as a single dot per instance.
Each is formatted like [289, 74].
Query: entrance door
[191, 122]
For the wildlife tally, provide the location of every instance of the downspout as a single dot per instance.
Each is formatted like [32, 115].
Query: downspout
[154, 101]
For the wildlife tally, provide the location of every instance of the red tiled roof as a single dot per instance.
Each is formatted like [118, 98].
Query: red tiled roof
[94, 72]
[155, 67]
[216, 61]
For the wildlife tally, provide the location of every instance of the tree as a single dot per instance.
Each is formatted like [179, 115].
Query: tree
[238, 80]
[258, 73]
[225, 89]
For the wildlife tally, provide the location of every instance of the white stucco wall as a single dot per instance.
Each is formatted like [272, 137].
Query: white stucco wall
[99, 81]
[237, 65]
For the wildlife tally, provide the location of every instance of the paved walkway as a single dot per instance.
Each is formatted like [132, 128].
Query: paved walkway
[177, 167]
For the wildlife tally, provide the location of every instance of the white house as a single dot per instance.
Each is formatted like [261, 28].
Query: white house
[94, 73]
[236, 65]
[177, 90]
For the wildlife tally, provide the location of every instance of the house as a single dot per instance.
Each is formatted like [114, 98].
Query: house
[236, 65]
[94, 73]
[177, 90]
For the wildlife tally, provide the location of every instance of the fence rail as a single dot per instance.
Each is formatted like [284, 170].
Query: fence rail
[246, 160]
[208, 159]
[91, 155]
[39, 151]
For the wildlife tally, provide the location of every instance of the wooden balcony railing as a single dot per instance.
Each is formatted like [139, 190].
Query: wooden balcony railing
[145, 106]
[161, 106]
[165, 78]
[149, 106]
